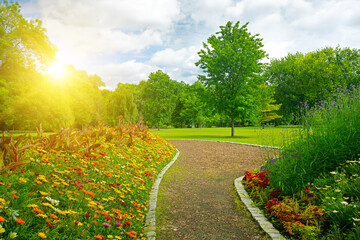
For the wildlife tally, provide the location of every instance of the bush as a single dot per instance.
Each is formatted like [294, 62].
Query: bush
[329, 136]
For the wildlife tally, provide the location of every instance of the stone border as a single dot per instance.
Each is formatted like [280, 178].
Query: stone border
[150, 221]
[246, 144]
[255, 211]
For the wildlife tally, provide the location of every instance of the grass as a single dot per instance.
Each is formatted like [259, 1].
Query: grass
[271, 136]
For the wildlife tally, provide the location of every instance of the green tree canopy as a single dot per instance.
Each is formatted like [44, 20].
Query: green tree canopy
[119, 103]
[159, 95]
[22, 42]
[311, 77]
[231, 63]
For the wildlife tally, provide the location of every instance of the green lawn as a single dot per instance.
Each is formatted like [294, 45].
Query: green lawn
[267, 136]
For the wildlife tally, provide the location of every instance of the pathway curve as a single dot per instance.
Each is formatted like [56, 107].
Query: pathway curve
[197, 198]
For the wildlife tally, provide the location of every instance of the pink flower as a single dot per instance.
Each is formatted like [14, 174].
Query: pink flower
[117, 224]
[108, 218]
[106, 225]
[117, 218]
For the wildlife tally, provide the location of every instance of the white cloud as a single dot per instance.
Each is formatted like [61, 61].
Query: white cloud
[95, 28]
[141, 36]
[179, 64]
[127, 72]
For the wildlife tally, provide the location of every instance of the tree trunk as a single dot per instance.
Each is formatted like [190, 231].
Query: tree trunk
[158, 126]
[232, 126]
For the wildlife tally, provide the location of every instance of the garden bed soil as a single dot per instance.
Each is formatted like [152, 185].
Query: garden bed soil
[197, 198]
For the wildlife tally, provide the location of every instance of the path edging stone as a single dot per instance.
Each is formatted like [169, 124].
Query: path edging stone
[245, 144]
[150, 221]
[255, 211]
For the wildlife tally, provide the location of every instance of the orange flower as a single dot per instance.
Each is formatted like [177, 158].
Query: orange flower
[99, 237]
[37, 210]
[90, 193]
[132, 234]
[2, 219]
[61, 193]
[20, 221]
[38, 182]
[15, 196]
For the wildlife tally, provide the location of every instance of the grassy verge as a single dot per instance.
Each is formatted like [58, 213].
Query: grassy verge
[272, 136]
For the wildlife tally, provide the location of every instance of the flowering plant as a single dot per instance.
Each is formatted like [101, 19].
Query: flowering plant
[85, 184]
[298, 216]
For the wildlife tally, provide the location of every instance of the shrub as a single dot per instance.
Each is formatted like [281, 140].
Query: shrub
[329, 136]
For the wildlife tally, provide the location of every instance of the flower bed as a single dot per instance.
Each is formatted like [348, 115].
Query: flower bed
[90, 184]
[296, 216]
[327, 209]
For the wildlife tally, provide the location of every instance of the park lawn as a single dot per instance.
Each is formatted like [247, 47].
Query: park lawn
[270, 136]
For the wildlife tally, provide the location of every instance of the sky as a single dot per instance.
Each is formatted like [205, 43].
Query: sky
[125, 40]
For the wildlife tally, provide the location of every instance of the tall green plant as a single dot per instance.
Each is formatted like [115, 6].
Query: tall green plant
[330, 135]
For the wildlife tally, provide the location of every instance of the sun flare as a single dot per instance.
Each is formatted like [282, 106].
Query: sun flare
[56, 69]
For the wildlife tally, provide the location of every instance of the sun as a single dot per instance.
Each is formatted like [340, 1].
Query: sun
[56, 69]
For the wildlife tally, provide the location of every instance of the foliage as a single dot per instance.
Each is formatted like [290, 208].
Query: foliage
[119, 102]
[268, 108]
[192, 107]
[304, 77]
[85, 184]
[23, 42]
[329, 136]
[230, 61]
[339, 191]
[159, 98]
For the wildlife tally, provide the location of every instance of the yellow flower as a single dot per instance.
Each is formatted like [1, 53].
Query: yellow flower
[32, 206]
[22, 180]
[110, 236]
[42, 235]
[2, 202]
[42, 178]
[45, 193]
[42, 215]
[48, 205]
[2, 230]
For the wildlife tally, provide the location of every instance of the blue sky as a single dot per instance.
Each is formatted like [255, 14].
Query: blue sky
[125, 40]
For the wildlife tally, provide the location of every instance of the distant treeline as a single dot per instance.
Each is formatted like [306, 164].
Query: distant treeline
[28, 97]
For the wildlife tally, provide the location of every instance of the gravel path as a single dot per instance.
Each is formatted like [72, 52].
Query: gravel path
[197, 198]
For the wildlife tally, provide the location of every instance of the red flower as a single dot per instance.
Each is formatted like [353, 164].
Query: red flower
[50, 225]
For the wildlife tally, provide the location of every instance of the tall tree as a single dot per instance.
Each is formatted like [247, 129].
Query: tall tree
[267, 107]
[22, 42]
[159, 95]
[24, 47]
[311, 77]
[231, 62]
[192, 107]
[119, 103]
